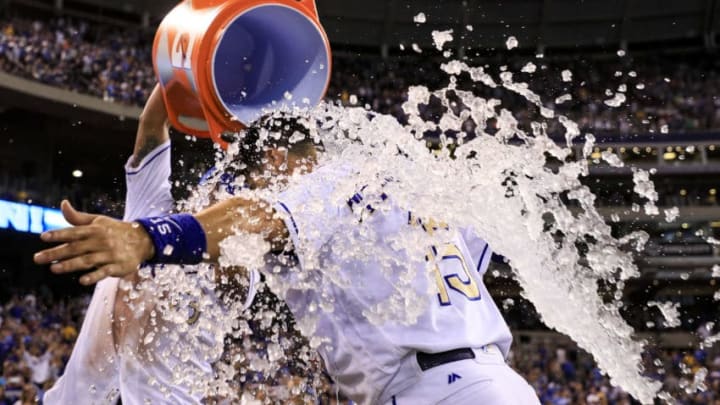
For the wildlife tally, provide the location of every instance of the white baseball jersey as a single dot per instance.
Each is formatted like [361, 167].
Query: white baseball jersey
[351, 262]
[143, 380]
[100, 370]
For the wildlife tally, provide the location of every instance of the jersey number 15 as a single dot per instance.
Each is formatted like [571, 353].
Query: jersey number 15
[452, 255]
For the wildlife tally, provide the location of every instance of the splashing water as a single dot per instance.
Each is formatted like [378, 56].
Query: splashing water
[529, 68]
[495, 178]
[563, 99]
[530, 225]
[669, 311]
[561, 283]
[617, 100]
[567, 76]
[440, 38]
[671, 214]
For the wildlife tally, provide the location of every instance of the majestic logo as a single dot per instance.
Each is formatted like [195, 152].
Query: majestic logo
[453, 377]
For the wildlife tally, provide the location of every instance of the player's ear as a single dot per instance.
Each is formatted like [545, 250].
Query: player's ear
[276, 156]
[304, 160]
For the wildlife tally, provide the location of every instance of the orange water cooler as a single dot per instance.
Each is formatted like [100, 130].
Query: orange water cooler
[223, 64]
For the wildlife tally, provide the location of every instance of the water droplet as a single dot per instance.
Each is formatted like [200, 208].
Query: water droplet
[168, 250]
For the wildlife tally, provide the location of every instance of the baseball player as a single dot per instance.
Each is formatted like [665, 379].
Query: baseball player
[111, 359]
[454, 352]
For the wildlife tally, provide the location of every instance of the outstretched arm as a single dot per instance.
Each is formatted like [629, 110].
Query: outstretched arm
[115, 249]
[236, 215]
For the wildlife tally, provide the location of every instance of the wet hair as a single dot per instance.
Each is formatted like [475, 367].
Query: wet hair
[277, 130]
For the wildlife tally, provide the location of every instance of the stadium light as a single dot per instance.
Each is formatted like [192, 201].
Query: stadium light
[77, 174]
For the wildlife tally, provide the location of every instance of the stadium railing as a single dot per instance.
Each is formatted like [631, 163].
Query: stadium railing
[16, 91]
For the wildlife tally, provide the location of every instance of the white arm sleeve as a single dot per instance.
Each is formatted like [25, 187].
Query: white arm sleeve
[148, 185]
[149, 194]
[479, 250]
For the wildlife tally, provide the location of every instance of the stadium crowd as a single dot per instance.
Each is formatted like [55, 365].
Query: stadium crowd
[36, 338]
[665, 93]
[114, 65]
[37, 333]
[565, 375]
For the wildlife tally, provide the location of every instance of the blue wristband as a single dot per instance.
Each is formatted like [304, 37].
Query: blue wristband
[178, 239]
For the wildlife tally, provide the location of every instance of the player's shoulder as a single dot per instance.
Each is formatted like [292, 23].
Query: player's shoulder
[150, 160]
[470, 234]
[333, 168]
[325, 180]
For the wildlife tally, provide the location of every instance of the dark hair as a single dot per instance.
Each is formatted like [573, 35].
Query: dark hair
[277, 130]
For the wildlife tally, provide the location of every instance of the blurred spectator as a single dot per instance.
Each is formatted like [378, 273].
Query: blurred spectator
[38, 360]
[36, 337]
[4, 400]
[587, 386]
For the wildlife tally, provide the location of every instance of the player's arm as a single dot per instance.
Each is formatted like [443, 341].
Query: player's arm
[115, 248]
[147, 172]
[239, 215]
[152, 127]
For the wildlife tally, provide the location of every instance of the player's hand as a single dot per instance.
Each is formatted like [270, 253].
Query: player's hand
[110, 247]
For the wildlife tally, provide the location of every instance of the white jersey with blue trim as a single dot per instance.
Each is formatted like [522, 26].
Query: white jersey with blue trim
[146, 374]
[354, 257]
[94, 369]
[100, 370]
[148, 185]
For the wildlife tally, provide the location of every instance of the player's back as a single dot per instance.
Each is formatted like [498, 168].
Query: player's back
[389, 285]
